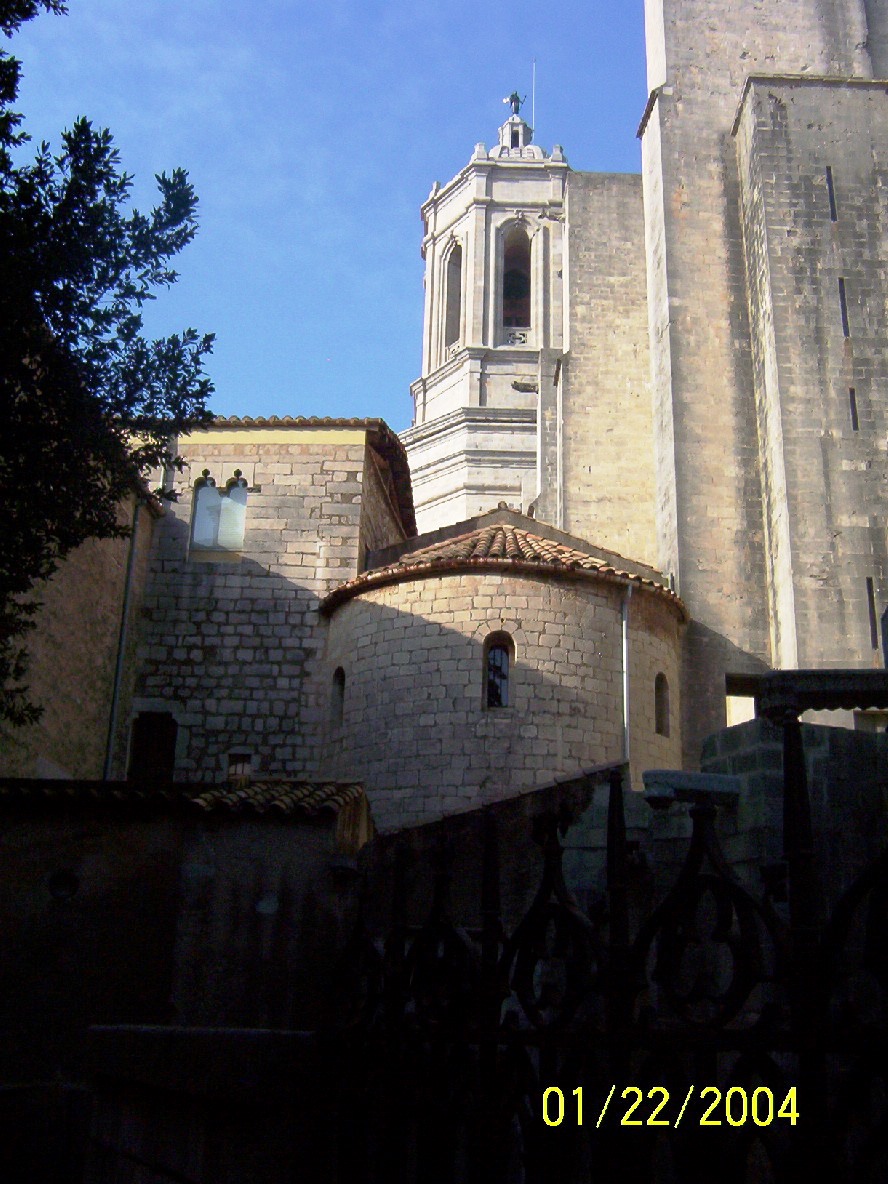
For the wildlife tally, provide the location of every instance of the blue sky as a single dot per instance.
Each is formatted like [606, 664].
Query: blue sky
[312, 131]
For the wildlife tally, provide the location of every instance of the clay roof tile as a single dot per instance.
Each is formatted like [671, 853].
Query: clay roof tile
[493, 545]
[288, 799]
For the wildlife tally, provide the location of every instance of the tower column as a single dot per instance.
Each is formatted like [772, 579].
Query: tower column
[474, 442]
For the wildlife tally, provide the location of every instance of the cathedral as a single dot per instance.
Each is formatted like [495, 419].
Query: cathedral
[647, 463]
[686, 367]
[647, 469]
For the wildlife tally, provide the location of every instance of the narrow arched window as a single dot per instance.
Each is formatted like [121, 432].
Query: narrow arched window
[233, 514]
[206, 513]
[516, 279]
[219, 516]
[337, 697]
[661, 705]
[498, 654]
[454, 298]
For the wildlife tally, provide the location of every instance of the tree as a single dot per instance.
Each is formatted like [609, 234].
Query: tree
[87, 403]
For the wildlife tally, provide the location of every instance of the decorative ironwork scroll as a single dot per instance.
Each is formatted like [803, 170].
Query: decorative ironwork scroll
[458, 1024]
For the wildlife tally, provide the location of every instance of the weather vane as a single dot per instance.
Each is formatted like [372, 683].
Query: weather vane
[516, 101]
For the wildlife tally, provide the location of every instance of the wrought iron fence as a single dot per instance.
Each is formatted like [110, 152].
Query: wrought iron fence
[722, 1034]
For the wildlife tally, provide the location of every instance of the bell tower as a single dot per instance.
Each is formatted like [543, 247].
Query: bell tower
[493, 329]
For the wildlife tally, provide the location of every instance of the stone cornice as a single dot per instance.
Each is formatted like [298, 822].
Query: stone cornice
[453, 421]
[829, 80]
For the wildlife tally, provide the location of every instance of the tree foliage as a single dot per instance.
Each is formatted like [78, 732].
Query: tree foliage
[87, 403]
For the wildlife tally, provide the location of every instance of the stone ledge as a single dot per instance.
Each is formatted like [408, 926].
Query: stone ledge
[662, 787]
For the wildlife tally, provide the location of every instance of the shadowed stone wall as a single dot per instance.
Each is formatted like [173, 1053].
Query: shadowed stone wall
[230, 640]
[710, 525]
[73, 654]
[608, 455]
[414, 722]
[814, 173]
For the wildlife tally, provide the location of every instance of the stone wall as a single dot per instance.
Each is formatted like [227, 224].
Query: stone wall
[229, 641]
[381, 523]
[88, 908]
[820, 385]
[414, 723]
[877, 36]
[468, 461]
[117, 913]
[265, 912]
[847, 774]
[655, 639]
[607, 432]
[73, 657]
[709, 494]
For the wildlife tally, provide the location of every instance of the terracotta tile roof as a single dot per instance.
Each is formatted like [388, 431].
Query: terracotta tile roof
[294, 799]
[380, 436]
[294, 421]
[500, 542]
[56, 791]
[283, 799]
[499, 546]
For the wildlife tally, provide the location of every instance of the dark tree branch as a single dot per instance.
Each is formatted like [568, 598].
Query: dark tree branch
[87, 403]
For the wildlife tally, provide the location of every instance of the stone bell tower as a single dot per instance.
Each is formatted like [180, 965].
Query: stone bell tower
[493, 328]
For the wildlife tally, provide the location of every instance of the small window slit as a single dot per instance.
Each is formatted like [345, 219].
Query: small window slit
[843, 302]
[830, 189]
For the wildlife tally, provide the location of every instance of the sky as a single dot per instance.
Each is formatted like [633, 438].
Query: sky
[312, 131]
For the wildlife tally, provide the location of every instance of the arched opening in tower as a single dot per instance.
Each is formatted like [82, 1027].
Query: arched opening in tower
[516, 280]
[454, 297]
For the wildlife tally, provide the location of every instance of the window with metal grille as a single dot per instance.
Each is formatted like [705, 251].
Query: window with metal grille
[498, 653]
